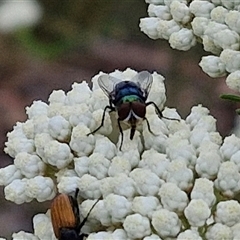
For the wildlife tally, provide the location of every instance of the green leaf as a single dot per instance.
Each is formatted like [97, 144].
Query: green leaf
[230, 97]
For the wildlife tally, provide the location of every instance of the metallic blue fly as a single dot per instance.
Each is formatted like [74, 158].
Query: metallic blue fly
[128, 99]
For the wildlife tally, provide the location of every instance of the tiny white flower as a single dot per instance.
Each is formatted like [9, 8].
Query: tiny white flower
[232, 80]
[41, 188]
[166, 223]
[9, 174]
[80, 93]
[166, 28]
[203, 189]
[118, 207]
[172, 197]
[228, 213]
[16, 191]
[213, 66]
[189, 235]
[30, 165]
[228, 179]
[219, 231]
[197, 212]
[149, 26]
[180, 12]
[98, 165]
[208, 164]
[89, 186]
[147, 182]
[23, 235]
[230, 146]
[182, 40]
[201, 8]
[80, 143]
[199, 25]
[145, 205]
[124, 186]
[81, 165]
[43, 227]
[159, 11]
[218, 14]
[119, 165]
[232, 20]
[136, 226]
[231, 58]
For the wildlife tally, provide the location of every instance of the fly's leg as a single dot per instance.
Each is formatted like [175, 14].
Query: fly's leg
[158, 111]
[121, 132]
[149, 129]
[103, 117]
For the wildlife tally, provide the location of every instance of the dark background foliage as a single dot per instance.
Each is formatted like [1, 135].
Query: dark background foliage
[74, 41]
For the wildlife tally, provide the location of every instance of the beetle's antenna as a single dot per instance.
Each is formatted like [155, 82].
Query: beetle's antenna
[85, 219]
[159, 113]
[103, 117]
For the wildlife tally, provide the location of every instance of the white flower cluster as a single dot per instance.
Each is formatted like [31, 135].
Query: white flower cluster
[214, 23]
[166, 184]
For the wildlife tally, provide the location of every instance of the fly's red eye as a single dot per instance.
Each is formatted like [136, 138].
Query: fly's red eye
[123, 111]
[139, 109]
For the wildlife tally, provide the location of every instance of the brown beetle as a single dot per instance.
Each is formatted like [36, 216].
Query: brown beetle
[65, 217]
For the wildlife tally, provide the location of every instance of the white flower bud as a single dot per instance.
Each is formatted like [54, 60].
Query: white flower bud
[167, 28]
[213, 66]
[80, 93]
[38, 108]
[9, 174]
[199, 25]
[232, 80]
[98, 165]
[201, 8]
[197, 212]
[145, 205]
[118, 207]
[228, 179]
[232, 20]
[59, 128]
[137, 226]
[218, 14]
[203, 189]
[219, 231]
[172, 197]
[147, 182]
[124, 186]
[159, 11]
[189, 235]
[119, 165]
[149, 27]
[231, 58]
[80, 143]
[180, 12]
[23, 235]
[16, 191]
[166, 223]
[43, 227]
[228, 213]
[30, 165]
[41, 188]
[182, 40]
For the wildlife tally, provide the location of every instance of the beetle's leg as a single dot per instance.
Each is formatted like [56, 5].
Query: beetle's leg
[103, 117]
[158, 111]
[85, 219]
[121, 132]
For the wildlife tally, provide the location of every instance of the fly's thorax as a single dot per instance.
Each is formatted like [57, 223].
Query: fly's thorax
[127, 89]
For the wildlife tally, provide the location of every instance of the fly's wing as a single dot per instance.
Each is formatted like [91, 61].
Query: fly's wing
[144, 80]
[107, 83]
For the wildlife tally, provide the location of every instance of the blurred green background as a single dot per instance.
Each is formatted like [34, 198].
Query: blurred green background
[63, 42]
